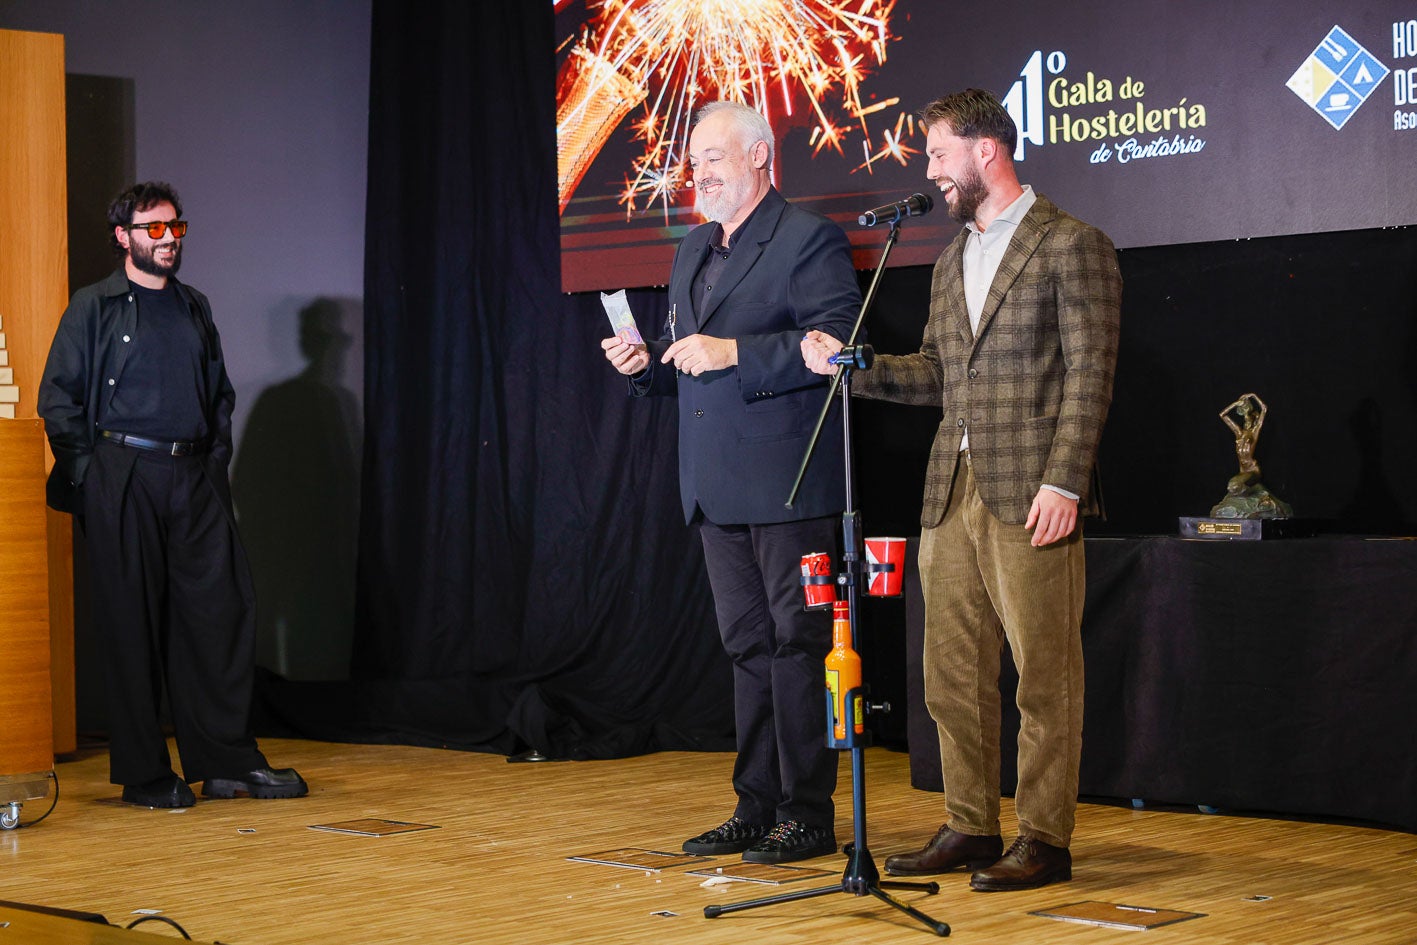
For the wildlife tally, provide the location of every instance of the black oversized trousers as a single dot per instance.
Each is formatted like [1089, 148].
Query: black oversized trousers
[172, 603]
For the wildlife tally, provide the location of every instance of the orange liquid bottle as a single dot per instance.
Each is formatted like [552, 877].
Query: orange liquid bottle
[844, 676]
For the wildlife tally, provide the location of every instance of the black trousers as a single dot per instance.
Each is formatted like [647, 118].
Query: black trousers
[784, 770]
[173, 602]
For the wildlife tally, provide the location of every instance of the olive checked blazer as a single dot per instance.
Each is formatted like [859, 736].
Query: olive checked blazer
[1034, 385]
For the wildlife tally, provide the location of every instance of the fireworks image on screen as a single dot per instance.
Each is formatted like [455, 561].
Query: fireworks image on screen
[662, 59]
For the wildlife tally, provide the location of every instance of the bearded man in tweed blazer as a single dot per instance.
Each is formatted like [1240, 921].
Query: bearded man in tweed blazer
[1019, 352]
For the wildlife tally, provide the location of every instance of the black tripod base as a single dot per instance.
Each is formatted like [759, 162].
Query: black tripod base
[860, 879]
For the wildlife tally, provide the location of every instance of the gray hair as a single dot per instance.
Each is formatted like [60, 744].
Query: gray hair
[751, 125]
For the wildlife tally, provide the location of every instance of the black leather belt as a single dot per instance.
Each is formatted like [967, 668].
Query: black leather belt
[179, 448]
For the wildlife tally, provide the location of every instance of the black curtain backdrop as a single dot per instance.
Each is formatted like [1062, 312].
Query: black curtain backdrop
[525, 576]
[1322, 326]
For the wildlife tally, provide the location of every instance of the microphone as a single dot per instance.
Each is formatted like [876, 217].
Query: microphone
[860, 357]
[916, 205]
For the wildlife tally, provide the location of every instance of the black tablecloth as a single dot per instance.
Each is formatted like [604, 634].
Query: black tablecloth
[1275, 676]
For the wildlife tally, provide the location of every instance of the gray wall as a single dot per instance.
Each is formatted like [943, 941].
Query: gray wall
[258, 113]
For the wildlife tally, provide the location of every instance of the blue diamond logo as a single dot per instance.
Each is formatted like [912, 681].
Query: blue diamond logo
[1338, 77]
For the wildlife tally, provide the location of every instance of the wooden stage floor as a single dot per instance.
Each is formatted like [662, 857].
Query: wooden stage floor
[248, 872]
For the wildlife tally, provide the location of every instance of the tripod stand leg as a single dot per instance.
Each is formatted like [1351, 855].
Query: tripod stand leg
[711, 912]
[941, 929]
[930, 888]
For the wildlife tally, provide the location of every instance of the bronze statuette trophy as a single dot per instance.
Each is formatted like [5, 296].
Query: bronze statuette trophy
[1248, 510]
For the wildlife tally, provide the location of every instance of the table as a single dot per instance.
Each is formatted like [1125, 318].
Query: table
[1276, 676]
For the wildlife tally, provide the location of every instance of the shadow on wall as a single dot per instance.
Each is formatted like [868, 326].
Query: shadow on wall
[101, 149]
[296, 488]
[102, 156]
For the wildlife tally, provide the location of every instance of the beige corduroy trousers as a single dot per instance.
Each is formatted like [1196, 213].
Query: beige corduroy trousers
[984, 583]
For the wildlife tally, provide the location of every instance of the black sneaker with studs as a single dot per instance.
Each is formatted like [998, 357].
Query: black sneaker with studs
[734, 835]
[792, 840]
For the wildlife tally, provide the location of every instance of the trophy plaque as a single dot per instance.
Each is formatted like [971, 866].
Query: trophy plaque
[1248, 511]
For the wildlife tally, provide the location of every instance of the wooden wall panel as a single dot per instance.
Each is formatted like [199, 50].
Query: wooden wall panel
[34, 288]
[34, 268]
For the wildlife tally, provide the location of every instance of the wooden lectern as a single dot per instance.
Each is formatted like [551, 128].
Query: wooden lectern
[26, 726]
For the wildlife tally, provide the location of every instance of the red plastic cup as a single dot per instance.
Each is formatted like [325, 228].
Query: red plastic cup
[818, 585]
[885, 566]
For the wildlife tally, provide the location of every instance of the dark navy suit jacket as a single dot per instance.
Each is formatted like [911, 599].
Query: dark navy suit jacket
[743, 430]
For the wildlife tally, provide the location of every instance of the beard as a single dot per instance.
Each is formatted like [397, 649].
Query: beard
[970, 193]
[722, 206]
[145, 260]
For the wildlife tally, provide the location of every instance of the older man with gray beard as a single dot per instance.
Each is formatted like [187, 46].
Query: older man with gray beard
[744, 289]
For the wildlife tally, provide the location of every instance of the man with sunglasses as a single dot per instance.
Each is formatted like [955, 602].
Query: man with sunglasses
[137, 406]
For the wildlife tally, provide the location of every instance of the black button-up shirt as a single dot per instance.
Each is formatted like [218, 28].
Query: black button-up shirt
[702, 289]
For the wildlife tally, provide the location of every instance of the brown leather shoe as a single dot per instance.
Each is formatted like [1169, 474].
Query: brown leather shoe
[1030, 863]
[949, 850]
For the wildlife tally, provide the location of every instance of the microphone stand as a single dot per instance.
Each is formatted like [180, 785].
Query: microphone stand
[860, 878]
